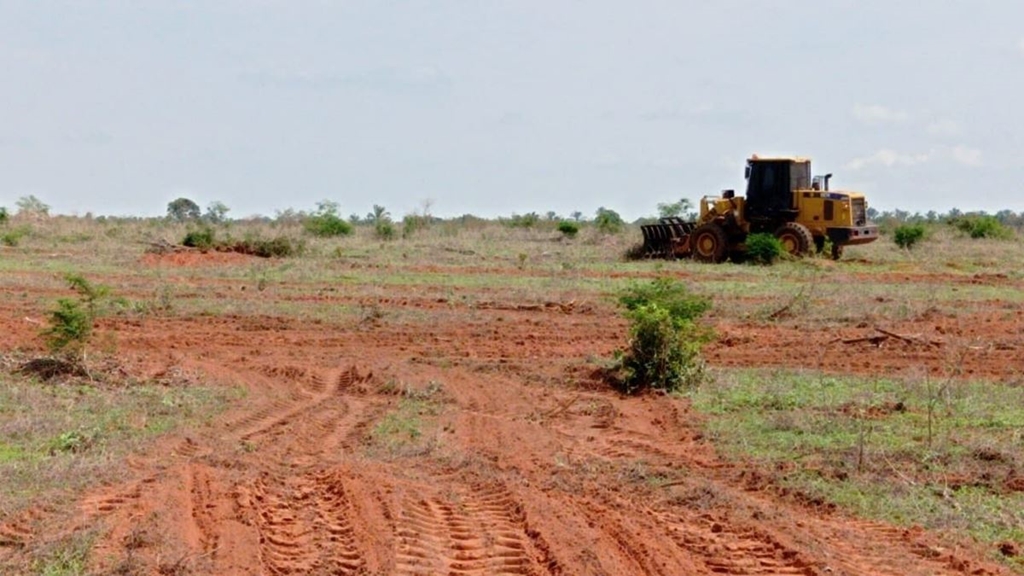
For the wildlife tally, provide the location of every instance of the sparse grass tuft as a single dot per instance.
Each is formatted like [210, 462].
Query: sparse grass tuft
[405, 431]
[65, 557]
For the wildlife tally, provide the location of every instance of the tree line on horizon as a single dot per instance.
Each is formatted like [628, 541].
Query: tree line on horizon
[328, 219]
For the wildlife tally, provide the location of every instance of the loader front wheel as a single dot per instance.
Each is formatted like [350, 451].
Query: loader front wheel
[795, 238]
[710, 243]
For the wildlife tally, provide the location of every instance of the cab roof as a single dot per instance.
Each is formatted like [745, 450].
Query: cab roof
[756, 158]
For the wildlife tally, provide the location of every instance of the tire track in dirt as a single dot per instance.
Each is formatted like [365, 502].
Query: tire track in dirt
[286, 532]
[305, 525]
[203, 503]
[730, 549]
[477, 529]
[339, 552]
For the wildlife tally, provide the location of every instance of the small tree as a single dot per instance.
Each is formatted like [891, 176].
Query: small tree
[183, 210]
[71, 322]
[907, 235]
[381, 220]
[216, 212]
[4, 216]
[576, 216]
[32, 206]
[608, 221]
[681, 208]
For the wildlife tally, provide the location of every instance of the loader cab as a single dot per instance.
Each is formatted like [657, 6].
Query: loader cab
[770, 186]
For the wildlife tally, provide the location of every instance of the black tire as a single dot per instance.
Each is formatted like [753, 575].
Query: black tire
[837, 251]
[796, 238]
[709, 243]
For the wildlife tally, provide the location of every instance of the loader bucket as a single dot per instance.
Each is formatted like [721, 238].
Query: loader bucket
[667, 237]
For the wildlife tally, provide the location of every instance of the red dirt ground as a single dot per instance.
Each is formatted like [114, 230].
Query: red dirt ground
[533, 467]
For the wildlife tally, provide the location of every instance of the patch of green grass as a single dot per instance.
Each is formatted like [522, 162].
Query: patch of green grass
[66, 557]
[936, 453]
[408, 428]
[56, 439]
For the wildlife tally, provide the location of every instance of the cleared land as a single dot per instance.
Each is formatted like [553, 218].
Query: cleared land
[434, 406]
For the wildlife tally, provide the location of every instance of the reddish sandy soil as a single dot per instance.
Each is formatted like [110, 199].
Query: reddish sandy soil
[529, 466]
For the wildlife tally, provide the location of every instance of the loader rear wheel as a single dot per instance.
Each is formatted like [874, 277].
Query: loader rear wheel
[796, 238]
[710, 243]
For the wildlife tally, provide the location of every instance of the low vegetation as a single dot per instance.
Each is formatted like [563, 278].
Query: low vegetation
[205, 239]
[12, 237]
[408, 429]
[939, 453]
[908, 235]
[58, 438]
[763, 248]
[982, 226]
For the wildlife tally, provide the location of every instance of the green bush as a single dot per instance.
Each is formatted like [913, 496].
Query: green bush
[276, 247]
[663, 354]
[325, 222]
[13, 237]
[907, 235]
[4, 215]
[664, 338]
[203, 238]
[764, 248]
[568, 228]
[667, 293]
[327, 225]
[385, 230]
[982, 226]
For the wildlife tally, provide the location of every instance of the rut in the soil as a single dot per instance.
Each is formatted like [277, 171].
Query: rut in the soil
[472, 530]
[726, 549]
[304, 525]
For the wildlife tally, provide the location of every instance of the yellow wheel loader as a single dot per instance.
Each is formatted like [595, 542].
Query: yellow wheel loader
[782, 199]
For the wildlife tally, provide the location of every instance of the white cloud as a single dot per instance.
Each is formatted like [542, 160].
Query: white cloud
[943, 127]
[878, 114]
[966, 155]
[887, 157]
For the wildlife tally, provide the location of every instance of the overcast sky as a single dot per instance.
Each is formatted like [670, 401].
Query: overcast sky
[490, 108]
